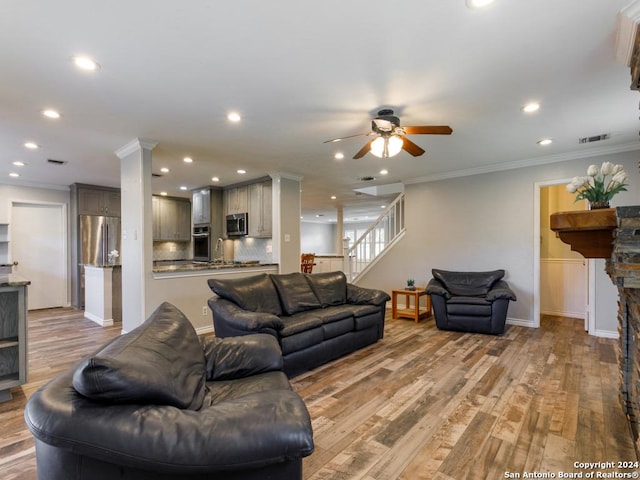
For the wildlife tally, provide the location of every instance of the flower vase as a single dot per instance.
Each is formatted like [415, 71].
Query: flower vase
[598, 205]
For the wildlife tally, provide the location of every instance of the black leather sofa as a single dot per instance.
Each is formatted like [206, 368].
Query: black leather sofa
[315, 317]
[470, 301]
[157, 403]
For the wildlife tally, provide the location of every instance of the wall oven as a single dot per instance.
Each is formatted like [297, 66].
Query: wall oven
[237, 224]
[201, 244]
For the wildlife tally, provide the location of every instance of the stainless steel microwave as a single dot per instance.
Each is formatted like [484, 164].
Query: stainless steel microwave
[237, 224]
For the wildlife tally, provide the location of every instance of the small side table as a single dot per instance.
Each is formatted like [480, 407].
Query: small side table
[416, 312]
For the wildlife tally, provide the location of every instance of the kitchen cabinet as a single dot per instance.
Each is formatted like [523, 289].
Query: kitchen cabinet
[236, 200]
[260, 209]
[13, 335]
[208, 210]
[328, 264]
[171, 219]
[201, 202]
[4, 243]
[98, 201]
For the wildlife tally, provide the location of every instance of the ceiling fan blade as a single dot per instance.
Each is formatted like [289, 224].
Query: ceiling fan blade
[428, 129]
[349, 136]
[364, 150]
[411, 147]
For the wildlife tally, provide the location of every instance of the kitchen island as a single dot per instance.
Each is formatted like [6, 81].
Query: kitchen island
[103, 294]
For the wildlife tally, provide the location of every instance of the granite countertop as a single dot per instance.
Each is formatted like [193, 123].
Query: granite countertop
[12, 280]
[108, 265]
[197, 266]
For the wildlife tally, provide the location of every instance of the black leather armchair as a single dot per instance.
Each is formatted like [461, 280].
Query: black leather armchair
[470, 301]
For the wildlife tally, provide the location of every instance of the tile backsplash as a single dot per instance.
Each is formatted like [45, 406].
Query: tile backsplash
[248, 248]
[244, 249]
[172, 251]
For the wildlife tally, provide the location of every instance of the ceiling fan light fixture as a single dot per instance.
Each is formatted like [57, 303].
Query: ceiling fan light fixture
[385, 147]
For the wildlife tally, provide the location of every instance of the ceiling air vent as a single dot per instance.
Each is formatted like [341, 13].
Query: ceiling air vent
[56, 162]
[595, 138]
[156, 175]
[367, 178]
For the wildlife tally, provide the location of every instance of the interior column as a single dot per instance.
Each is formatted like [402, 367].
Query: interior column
[136, 227]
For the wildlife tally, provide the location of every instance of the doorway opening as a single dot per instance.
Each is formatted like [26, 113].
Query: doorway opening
[562, 276]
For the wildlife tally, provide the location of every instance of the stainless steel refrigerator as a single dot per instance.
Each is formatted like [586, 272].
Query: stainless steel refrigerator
[98, 237]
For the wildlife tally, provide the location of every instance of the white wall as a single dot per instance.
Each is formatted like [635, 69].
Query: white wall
[318, 238]
[484, 222]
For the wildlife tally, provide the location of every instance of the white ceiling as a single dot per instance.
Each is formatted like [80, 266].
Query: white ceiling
[301, 73]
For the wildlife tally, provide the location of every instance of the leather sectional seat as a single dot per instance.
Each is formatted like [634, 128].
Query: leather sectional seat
[316, 318]
[157, 403]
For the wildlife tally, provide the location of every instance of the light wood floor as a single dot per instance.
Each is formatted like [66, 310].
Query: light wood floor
[420, 404]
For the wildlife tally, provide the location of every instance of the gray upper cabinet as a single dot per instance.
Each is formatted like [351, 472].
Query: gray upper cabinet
[171, 219]
[98, 201]
[236, 200]
[260, 209]
[201, 206]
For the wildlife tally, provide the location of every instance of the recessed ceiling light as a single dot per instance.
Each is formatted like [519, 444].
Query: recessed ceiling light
[241, 171]
[49, 113]
[531, 107]
[182, 187]
[164, 194]
[85, 63]
[384, 171]
[31, 145]
[234, 117]
[215, 179]
[383, 206]
[545, 141]
[333, 197]
[14, 174]
[164, 170]
[187, 160]
[18, 163]
[478, 3]
[339, 156]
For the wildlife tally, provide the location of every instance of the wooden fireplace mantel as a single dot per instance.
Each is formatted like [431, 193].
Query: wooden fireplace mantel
[588, 232]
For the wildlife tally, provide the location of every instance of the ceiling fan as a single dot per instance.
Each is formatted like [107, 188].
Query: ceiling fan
[390, 137]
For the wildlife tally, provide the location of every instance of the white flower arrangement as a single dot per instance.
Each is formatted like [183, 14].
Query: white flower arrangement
[113, 254]
[595, 187]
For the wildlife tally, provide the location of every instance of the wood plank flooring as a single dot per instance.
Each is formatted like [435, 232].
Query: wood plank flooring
[420, 404]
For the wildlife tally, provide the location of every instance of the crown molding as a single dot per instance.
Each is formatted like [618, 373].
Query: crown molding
[134, 146]
[530, 162]
[628, 20]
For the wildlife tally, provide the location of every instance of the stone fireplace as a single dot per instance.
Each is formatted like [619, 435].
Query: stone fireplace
[624, 269]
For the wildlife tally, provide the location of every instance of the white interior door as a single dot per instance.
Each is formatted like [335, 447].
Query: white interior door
[38, 245]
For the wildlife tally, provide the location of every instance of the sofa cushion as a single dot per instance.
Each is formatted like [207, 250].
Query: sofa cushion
[160, 362]
[469, 306]
[299, 323]
[469, 284]
[329, 287]
[256, 293]
[295, 293]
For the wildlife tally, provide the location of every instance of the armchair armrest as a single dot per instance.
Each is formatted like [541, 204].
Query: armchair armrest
[365, 296]
[435, 287]
[500, 289]
[240, 319]
[238, 357]
[256, 430]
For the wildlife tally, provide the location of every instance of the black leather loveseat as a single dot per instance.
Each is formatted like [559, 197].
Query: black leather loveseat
[156, 403]
[315, 317]
[470, 301]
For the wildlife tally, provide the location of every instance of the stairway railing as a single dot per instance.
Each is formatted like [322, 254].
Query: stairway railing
[376, 241]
